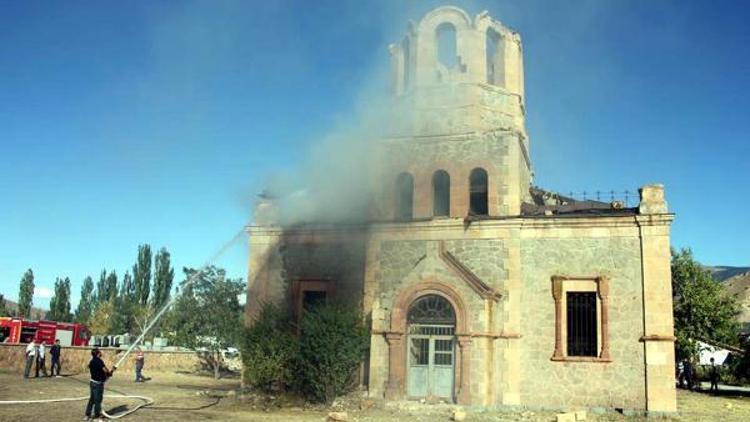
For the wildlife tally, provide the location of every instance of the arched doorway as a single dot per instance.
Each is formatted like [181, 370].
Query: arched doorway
[431, 347]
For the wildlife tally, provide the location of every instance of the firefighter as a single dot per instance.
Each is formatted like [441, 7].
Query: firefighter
[99, 375]
[139, 361]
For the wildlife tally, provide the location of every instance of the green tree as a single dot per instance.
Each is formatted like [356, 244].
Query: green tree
[59, 305]
[127, 288]
[208, 315]
[3, 309]
[100, 321]
[142, 274]
[126, 307]
[111, 285]
[702, 309]
[26, 294]
[269, 351]
[86, 303]
[163, 276]
[332, 346]
[102, 288]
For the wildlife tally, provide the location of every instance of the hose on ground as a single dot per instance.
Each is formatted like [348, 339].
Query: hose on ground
[146, 401]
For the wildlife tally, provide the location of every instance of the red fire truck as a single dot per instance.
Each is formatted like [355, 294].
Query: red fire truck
[19, 330]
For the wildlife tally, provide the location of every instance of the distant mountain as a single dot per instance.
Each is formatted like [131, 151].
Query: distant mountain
[739, 285]
[36, 313]
[721, 272]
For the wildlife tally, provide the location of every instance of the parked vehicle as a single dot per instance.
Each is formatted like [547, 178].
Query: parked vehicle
[19, 330]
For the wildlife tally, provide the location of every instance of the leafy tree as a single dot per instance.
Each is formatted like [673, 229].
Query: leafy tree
[26, 294]
[702, 309]
[59, 305]
[126, 307]
[102, 288]
[111, 282]
[127, 288]
[163, 276]
[100, 321]
[269, 351]
[3, 309]
[87, 301]
[208, 315]
[142, 274]
[332, 345]
[119, 321]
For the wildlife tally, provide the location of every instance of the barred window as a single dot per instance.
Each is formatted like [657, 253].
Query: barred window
[581, 322]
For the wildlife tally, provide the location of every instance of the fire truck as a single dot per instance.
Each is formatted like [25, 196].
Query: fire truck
[19, 330]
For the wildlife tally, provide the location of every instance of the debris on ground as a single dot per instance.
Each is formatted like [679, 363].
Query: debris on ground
[458, 415]
[337, 417]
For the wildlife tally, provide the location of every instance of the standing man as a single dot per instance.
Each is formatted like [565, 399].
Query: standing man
[30, 358]
[139, 361]
[40, 356]
[713, 374]
[99, 375]
[55, 353]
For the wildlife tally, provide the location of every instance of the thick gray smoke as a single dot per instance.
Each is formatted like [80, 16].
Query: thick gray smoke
[334, 183]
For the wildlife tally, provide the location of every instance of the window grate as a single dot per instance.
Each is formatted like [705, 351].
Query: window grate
[432, 330]
[581, 321]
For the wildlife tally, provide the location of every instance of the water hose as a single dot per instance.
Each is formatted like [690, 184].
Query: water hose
[147, 401]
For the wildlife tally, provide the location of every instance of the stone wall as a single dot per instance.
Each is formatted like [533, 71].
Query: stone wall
[495, 152]
[280, 259]
[74, 360]
[616, 384]
[403, 264]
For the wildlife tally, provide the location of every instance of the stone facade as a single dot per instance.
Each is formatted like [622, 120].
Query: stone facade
[510, 274]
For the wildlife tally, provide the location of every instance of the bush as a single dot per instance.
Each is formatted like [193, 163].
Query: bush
[332, 346]
[269, 351]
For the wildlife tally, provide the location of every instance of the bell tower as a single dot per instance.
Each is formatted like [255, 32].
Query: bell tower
[458, 96]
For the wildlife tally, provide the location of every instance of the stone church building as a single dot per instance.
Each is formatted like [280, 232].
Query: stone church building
[479, 288]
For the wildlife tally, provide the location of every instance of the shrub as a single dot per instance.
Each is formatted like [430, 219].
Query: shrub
[333, 343]
[269, 351]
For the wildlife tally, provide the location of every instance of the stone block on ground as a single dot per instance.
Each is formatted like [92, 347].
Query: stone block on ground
[566, 417]
[458, 415]
[337, 417]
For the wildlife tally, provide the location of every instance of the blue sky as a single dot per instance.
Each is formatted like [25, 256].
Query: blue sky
[157, 121]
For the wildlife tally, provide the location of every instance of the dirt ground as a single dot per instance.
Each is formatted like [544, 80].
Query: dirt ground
[190, 397]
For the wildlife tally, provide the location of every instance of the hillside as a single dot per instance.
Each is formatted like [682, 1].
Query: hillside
[740, 285]
[36, 313]
[722, 272]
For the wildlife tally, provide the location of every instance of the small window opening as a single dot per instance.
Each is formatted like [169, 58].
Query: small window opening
[478, 199]
[441, 193]
[404, 196]
[494, 57]
[445, 35]
[312, 298]
[581, 321]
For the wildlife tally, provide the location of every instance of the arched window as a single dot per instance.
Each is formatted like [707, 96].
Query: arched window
[494, 57]
[478, 198]
[404, 196]
[431, 309]
[441, 193]
[445, 35]
[407, 63]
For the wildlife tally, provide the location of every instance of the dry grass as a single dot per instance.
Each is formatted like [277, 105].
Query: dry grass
[179, 397]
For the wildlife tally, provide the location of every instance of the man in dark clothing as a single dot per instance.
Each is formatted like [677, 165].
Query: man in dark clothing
[54, 351]
[139, 361]
[713, 375]
[99, 375]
